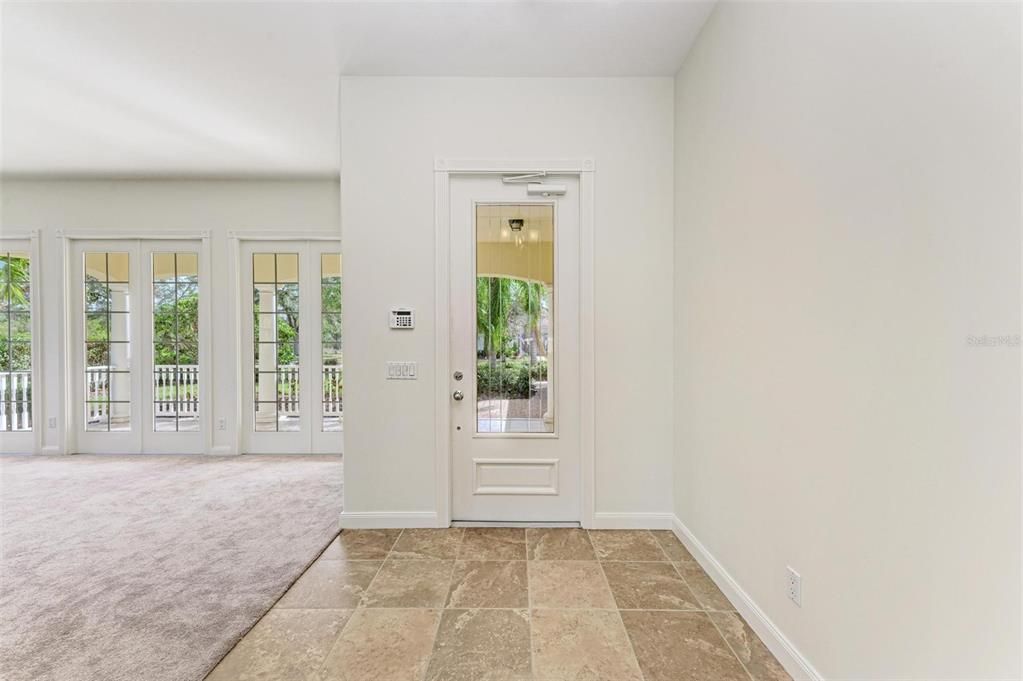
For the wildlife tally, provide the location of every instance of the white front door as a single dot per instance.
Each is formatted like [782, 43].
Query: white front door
[291, 318]
[514, 352]
[136, 346]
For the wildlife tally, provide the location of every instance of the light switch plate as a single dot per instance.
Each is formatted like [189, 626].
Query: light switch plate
[401, 371]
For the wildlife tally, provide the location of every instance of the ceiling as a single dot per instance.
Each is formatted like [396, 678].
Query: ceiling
[250, 88]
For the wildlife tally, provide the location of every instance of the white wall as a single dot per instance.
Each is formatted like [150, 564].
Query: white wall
[392, 129]
[149, 206]
[847, 214]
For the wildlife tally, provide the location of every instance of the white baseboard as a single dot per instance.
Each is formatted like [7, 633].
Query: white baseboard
[51, 450]
[222, 450]
[795, 663]
[382, 519]
[632, 521]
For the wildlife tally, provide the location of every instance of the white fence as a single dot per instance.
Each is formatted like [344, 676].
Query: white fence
[186, 378]
[332, 391]
[16, 400]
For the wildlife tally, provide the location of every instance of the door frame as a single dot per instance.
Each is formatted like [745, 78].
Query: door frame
[67, 239]
[235, 239]
[444, 169]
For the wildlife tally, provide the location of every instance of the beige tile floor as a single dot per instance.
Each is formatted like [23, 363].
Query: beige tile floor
[502, 605]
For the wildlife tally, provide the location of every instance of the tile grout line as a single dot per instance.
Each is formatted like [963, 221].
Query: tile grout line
[618, 611]
[729, 645]
[443, 608]
[529, 611]
[706, 612]
[376, 574]
[355, 610]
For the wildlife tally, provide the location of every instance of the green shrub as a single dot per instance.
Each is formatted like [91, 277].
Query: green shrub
[508, 378]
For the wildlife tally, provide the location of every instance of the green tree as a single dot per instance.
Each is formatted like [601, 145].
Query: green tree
[493, 305]
[14, 281]
[176, 324]
[529, 298]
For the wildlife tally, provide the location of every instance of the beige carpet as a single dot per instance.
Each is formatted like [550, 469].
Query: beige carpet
[149, 568]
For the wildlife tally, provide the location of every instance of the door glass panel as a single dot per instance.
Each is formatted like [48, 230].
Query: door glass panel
[107, 327]
[330, 343]
[175, 342]
[275, 310]
[15, 343]
[514, 318]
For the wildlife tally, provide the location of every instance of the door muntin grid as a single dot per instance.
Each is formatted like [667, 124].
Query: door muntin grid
[276, 305]
[331, 349]
[107, 334]
[15, 342]
[514, 268]
[175, 290]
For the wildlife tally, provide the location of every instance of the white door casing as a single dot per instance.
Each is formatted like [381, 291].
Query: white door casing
[515, 476]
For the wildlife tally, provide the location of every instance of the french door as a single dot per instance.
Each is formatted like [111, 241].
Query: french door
[515, 380]
[137, 337]
[292, 348]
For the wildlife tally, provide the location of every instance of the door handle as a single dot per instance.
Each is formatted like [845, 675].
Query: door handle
[458, 395]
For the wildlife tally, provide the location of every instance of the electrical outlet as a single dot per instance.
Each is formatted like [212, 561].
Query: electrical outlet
[221, 424]
[52, 422]
[794, 586]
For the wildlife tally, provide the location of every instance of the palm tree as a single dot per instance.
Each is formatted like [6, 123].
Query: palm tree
[530, 296]
[493, 303]
[14, 278]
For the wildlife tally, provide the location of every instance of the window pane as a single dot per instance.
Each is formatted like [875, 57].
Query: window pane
[263, 268]
[164, 417]
[97, 355]
[175, 341]
[163, 267]
[331, 382]
[20, 326]
[120, 417]
[97, 296]
[107, 327]
[96, 266]
[514, 308]
[15, 343]
[20, 416]
[287, 268]
[20, 357]
[19, 297]
[117, 268]
[96, 417]
[188, 266]
[120, 386]
[120, 326]
[275, 319]
[330, 266]
[120, 297]
[97, 327]
[332, 328]
[332, 354]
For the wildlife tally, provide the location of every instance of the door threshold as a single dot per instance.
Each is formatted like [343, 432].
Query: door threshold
[511, 523]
